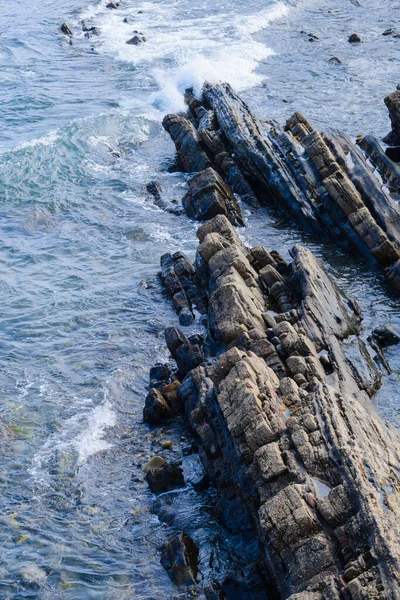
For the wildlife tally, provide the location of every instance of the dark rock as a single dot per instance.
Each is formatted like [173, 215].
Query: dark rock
[137, 39]
[174, 339]
[188, 357]
[385, 336]
[156, 409]
[112, 5]
[209, 196]
[201, 484]
[392, 102]
[390, 32]
[154, 189]
[191, 155]
[160, 372]
[334, 61]
[354, 38]
[180, 558]
[393, 152]
[167, 478]
[65, 29]
[186, 317]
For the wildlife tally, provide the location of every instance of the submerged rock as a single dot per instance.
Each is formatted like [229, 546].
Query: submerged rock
[65, 28]
[137, 39]
[180, 558]
[334, 61]
[385, 336]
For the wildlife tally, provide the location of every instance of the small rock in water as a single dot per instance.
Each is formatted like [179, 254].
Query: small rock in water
[32, 572]
[167, 478]
[385, 336]
[390, 32]
[334, 61]
[180, 559]
[112, 5]
[354, 38]
[157, 462]
[137, 39]
[312, 37]
[65, 29]
[202, 483]
[167, 444]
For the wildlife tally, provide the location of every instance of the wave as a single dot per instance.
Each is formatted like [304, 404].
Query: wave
[184, 48]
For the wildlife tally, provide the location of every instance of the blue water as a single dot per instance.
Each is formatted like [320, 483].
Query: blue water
[82, 313]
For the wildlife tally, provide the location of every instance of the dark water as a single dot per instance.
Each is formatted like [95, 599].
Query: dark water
[82, 313]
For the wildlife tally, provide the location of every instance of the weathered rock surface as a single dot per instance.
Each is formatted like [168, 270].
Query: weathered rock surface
[324, 180]
[209, 196]
[180, 558]
[287, 433]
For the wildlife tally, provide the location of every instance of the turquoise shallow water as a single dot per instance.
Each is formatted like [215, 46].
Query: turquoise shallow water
[82, 313]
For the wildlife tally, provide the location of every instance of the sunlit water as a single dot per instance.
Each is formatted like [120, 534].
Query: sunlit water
[82, 313]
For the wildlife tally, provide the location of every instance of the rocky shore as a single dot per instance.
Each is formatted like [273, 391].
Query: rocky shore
[277, 389]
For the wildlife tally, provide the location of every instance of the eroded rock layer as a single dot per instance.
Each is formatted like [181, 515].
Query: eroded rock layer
[325, 180]
[287, 431]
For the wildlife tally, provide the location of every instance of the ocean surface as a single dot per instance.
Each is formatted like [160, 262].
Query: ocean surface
[81, 309]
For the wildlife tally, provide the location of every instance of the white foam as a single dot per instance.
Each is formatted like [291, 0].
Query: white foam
[91, 440]
[46, 140]
[185, 46]
[80, 437]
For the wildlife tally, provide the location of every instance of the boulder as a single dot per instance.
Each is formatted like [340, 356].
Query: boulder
[165, 478]
[354, 38]
[156, 409]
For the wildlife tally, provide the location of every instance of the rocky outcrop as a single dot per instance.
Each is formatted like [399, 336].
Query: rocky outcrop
[324, 180]
[286, 428]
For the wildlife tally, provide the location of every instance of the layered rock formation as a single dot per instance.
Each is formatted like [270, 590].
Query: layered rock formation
[324, 180]
[287, 431]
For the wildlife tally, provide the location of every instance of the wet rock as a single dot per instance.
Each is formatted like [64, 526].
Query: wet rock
[167, 444]
[209, 196]
[156, 409]
[191, 155]
[202, 483]
[334, 61]
[112, 5]
[385, 336]
[174, 338]
[171, 395]
[160, 373]
[180, 558]
[90, 29]
[390, 31]
[65, 28]
[137, 39]
[392, 102]
[157, 462]
[354, 38]
[154, 189]
[164, 479]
